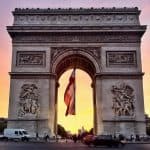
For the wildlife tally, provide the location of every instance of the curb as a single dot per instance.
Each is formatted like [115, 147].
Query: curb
[137, 142]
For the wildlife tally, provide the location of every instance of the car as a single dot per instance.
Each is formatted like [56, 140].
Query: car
[102, 140]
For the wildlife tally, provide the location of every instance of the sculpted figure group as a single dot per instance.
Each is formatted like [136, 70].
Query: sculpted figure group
[123, 100]
[28, 100]
[31, 59]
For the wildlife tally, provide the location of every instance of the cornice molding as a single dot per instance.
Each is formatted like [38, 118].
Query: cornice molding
[74, 34]
[24, 119]
[129, 120]
[91, 10]
[83, 28]
[119, 75]
[32, 75]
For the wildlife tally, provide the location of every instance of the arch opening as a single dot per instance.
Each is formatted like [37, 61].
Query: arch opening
[87, 70]
[84, 117]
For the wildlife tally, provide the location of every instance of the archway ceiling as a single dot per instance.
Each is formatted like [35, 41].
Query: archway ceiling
[75, 61]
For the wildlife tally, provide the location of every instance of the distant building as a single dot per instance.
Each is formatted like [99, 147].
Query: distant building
[82, 130]
[69, 135]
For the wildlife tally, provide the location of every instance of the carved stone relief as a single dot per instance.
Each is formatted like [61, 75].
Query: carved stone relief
[123, 100]
[93, 51]
[33, 58]
[28, 104]
[99, 19]
[119, 58]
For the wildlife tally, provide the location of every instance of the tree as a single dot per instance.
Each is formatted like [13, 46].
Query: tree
[61, 131]
[148, 130]
[147, 118]
[3, 124]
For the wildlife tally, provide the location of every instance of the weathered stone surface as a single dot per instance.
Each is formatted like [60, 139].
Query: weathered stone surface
[103, 42]
[124, 58]
[103, 16]
[37, 58]
[31, 58]
[123, 100]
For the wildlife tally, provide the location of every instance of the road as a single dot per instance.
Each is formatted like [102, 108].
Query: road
[64, 146]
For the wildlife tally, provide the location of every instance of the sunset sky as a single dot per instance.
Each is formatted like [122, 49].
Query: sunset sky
[84, 92]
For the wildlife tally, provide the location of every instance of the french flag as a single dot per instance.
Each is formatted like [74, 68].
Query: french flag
[69, 96]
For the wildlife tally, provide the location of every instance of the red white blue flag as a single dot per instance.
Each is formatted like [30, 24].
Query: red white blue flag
[69, 96]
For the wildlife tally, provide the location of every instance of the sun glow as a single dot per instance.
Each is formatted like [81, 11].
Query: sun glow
[84, 102]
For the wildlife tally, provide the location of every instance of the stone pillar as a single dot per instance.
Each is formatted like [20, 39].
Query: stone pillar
[52, 105]
[98, 106]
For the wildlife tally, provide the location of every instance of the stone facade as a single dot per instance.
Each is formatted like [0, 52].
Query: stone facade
[103, 42]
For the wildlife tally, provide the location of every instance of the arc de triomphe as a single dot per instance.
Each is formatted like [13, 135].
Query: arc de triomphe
[103, 42]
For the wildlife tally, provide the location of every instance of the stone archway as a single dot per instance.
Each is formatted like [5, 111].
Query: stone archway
[76, 57]
[104, 42]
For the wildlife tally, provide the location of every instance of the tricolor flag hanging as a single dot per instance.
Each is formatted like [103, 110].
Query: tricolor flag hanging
[69, 96]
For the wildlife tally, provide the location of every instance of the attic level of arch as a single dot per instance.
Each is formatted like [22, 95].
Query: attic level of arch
[76, 25]
[81, 15]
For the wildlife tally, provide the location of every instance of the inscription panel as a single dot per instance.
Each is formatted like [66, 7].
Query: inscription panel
[121, 58]
[31, 58]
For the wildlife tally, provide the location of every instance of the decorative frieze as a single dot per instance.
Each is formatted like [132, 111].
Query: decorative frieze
[31, 58]
[93, 51]
[121, 58]
[133, 10]
[76, 38]
[123, 100]
[64, 19]
[28, 104]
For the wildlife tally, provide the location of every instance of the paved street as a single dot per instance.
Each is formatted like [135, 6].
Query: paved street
[64, 146]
